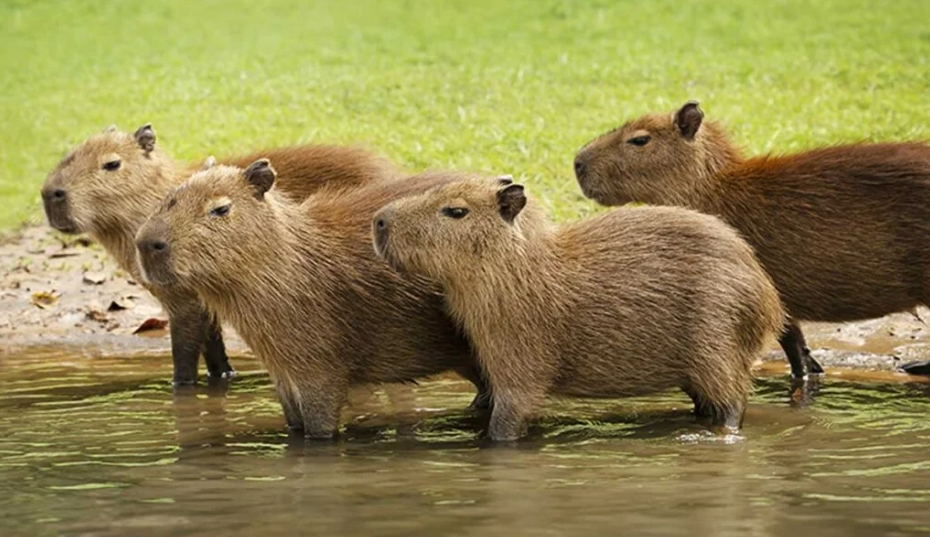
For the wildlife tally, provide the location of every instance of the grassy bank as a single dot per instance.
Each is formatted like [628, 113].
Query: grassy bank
[484, 85]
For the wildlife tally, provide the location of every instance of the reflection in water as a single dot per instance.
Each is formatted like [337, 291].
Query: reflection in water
[106, 447]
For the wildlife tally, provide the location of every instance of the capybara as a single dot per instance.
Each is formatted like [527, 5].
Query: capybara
[630, 302]
[300, 284]
[840, 229]
[113, 181]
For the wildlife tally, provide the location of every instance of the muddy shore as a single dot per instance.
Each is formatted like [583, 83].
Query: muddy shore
[66, 292]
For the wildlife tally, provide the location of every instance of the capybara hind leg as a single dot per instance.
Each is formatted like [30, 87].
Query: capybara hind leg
[290, 406]
[509, 414]
[320, 403]
[701, 409]
[187, 339]
[813, 367]
[214, 352]
[729, 414]
[799, 356]
[482, 400]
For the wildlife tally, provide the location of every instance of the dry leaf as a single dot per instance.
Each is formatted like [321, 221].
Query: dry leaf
[96, 315]
[95, 278]
[63, 253]
[45, 299]
[151, 324]
[121, 303]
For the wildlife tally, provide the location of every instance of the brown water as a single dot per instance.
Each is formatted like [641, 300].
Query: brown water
[98, 446]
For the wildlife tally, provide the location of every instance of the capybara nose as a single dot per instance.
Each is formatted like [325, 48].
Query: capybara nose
[579, 167]
[57, 194]
[152, 246]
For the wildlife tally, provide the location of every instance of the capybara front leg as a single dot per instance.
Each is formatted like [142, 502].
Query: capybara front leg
[214, 352]
[187, 338]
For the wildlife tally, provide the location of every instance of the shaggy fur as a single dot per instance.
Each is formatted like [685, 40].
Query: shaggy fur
[841, 230]
[85, 194]
[627, 303]
[301, 285]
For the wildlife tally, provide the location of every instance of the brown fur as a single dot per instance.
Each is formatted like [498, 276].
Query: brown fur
[111, 205]
[301, 285]
[841, 230]
[627, 303]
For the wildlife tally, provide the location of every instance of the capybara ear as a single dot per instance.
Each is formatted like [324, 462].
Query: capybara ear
[111, 128]
[688, 119]
[505, 179]
[209, 163]
[510, 201]
[145, 137]
[261, 176]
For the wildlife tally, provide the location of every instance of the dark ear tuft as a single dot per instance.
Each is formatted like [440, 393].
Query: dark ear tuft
[261, 176]
[510, 201]
[688, 119]
[145, 137]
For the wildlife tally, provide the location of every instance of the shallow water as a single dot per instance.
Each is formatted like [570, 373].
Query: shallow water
[102, 446]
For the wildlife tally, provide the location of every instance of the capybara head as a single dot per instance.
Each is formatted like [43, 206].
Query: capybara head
[110, 177]
[449, 228]
[209, 224]
[658, 158]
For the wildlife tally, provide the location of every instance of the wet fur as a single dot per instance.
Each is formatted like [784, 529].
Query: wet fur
[629, 302]
[300, 284]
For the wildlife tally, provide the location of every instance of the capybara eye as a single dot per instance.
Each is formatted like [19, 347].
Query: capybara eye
[455, 212]
[222, 210]
[112, 166]
[639, 140]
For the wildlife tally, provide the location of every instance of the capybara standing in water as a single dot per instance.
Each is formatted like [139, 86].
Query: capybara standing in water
[841, 230]
[300, 284]
[113, 181]
[630, 302]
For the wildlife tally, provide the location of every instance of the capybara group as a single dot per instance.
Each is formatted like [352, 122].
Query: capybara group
[626, 303]
[301, 285]
[842, 230]
[113, 181]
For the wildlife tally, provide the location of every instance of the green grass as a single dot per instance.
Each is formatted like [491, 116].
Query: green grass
[485, 85]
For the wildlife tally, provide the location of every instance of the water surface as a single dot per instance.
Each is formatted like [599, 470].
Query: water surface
[103, 446]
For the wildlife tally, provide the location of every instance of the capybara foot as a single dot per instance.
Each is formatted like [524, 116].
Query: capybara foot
[482, 401]
[916, 368]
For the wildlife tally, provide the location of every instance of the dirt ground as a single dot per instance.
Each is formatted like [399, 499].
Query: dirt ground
[66, 292]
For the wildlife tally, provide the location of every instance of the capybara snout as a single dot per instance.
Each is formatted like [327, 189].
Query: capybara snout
[154, 252]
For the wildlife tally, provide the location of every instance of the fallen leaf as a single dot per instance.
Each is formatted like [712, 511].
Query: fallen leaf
[45, 299]
[63, 253]
[151, 324]
[95, 278]
[121, 303]
[96, 315]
